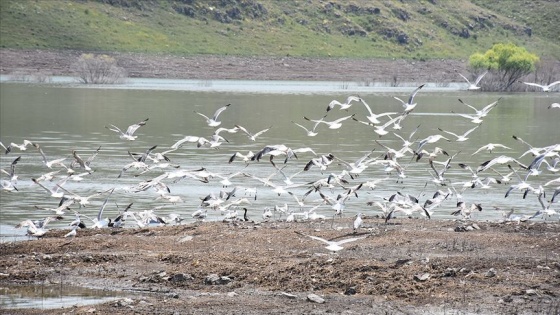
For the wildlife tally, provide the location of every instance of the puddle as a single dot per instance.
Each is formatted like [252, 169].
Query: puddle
[51, 296]
[8, 233]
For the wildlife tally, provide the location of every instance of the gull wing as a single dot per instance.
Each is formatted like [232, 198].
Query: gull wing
[132, 128]
[219, 111]
[100, 213]
[449, 132]
[319, 239]
[534, 84]
[348, 240]
[553, 84]
[114, 128]
[480, 77]
[464, 78]
[472, 107]
[487, 108]
[411, 98]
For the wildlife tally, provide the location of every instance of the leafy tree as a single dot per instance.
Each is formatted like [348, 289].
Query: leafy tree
[508, 61]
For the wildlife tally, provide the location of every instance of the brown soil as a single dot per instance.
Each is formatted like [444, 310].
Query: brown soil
[501, 268]
[231, 67]
[411, 266]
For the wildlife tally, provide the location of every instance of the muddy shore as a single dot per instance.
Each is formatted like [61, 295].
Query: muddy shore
[59, 63]
[411, 266]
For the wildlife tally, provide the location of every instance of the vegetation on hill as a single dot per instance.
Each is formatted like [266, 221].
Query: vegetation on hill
[418, 29]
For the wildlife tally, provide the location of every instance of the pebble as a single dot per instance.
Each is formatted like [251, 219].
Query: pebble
[531, 292]
[466, 228]
[185, 239]
[125, 302]
[315, 298]
[422, 277]
[215, 279]
[490, 273]
[288, 295]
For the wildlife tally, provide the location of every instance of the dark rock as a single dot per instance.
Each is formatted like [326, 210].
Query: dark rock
[401, 14]
[388, 33]
[450, 272]
[508, 299]
[528, 31]
[424, 10]
[180, 277]
[234, 14]
[172, 295]
[352, 8]
[186, 10]
[465, 33]
[254, 9]
[328, 7]
[222, 17]
[214, 279]
[350, 291]
[402, 39]
[351, 31]
[460, 229]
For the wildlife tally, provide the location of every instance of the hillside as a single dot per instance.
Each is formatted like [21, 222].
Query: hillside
[412, 29]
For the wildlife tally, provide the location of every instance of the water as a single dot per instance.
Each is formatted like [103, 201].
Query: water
[62, 118]
[50, 296]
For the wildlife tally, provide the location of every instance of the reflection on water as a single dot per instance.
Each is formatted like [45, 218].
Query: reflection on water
[62, 119]
[252, 86]
[50, 296]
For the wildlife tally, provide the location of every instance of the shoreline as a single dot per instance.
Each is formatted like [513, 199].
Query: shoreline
[411, 266]
[59, 63]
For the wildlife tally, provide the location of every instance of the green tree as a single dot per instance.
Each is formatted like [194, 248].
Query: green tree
[508, 61]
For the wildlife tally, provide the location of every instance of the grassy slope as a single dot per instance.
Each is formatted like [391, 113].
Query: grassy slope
[297, 28]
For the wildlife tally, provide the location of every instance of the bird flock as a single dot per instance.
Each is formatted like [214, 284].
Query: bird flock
[307, 185]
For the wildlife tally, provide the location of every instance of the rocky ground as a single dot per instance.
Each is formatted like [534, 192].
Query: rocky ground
[32, 62]
[410, 266]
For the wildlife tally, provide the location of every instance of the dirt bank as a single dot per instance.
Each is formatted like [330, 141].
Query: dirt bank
[230, 67]
[412, 266]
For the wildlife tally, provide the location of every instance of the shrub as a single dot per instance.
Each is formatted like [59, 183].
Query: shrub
[507, 61]
[100, 69]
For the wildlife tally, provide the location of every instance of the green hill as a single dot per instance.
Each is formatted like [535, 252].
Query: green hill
[418, 29]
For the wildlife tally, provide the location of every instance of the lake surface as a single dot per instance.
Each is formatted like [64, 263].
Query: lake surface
[63, 118]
